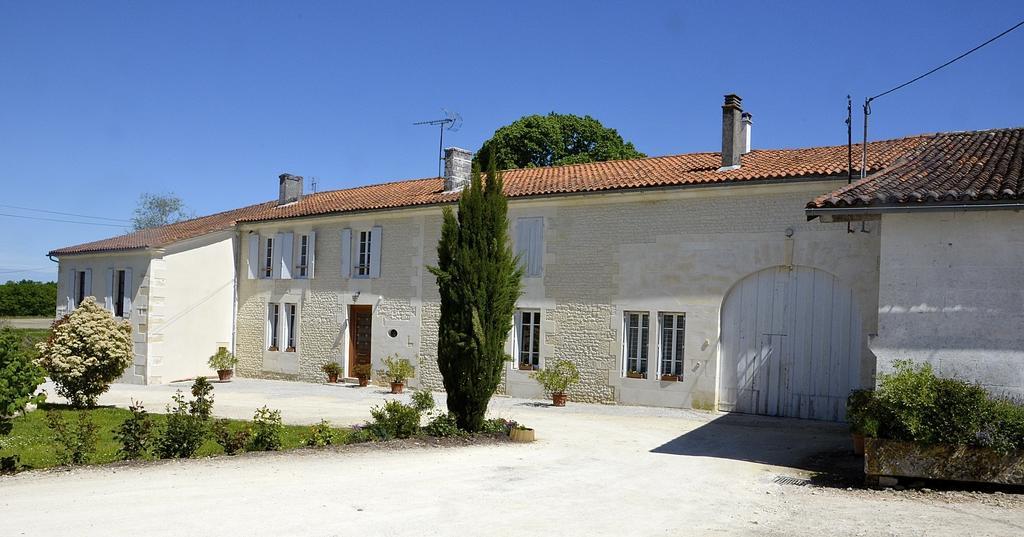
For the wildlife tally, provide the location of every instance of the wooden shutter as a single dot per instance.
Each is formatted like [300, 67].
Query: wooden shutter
[287, 254]
[88, 283]
[346, 253]
[72, 285]
[310, 253]
[536, 267]
[254, 256]
[128, 293]
[375, 234]
[108, 299]
[522, 242]
[275, 257]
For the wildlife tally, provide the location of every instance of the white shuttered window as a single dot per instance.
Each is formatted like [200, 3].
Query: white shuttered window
[530, 245]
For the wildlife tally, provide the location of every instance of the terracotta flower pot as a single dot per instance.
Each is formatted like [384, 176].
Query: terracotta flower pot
[363, 381]
[332, 378]
[224, 375]
[670, 378]
[858, 443]
[635, 375]
[558, 399]
[525, 367]
[397, 387]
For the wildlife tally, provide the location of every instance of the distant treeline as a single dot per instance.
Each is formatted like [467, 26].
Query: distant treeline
[28, 298]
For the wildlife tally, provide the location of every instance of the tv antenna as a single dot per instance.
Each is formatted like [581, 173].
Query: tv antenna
[451, 121]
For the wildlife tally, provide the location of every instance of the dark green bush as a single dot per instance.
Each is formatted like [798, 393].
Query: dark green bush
[913, 404]
[183, 431]
[393, 420]
[75, 442]
[266, 430]
[444, 425]
[135, 433]
[423, 400]
[19, 378]
[202, 398]
[232, 440]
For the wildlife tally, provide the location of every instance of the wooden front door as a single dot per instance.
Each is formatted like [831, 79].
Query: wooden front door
[359, 336]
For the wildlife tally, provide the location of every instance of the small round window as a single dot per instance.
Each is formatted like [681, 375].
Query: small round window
[393, 332]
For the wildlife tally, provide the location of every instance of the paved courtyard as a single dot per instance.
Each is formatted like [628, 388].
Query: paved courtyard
[595, 470]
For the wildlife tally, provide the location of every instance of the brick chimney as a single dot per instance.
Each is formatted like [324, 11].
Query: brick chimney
[458, 165]
[291, 188]
[732, 132]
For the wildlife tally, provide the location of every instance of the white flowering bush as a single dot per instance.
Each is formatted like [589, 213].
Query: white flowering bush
[87, 350]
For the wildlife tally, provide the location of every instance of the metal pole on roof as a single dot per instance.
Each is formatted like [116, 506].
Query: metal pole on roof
[864, 141]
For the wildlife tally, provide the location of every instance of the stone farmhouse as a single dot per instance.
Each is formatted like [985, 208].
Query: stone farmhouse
[748, 280]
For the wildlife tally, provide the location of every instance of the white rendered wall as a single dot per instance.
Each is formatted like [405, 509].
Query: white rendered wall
[951, 293]
[192, 287]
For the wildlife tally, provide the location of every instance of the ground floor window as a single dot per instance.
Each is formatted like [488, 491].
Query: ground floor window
[292, 324]
[119, 293]
[673, 332]
[527, 350]
[636, 331]
[273, 319]
[80, 283]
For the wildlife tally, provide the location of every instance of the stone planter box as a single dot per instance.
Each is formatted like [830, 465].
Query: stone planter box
[893, 459]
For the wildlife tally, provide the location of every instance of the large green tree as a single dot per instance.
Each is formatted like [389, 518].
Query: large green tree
[553, 140]
[479, 279]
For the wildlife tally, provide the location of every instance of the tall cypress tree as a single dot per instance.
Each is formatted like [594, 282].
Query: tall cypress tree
[479, 279]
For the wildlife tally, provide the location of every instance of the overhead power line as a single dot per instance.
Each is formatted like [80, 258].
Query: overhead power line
[867, 101]
[950, 62]
[61, 220]
[66, 214]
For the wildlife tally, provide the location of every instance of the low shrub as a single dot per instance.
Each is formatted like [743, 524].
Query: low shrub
[233, 441]
[393, 420]
[497, 426]
[135, 433]
[202, 398]
[75, 441]
[443, 425]
[914, 405]
[321, 434]
[423, 400]
[331, 368]
[265, 432]
[183, 431]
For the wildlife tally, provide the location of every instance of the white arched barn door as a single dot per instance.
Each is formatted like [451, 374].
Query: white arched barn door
[790, 345]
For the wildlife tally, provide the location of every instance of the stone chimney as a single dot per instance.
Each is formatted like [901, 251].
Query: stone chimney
[748, 123]
[291, 188]
[732, 132]
[458, 165]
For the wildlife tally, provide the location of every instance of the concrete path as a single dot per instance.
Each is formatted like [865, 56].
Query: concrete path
[26, 322]
[595, 470]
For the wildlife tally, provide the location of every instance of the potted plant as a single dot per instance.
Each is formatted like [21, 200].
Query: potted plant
[333, 370]
[362, 372]
[633, 374]
[224, 362]
[858, 407]
[525, 366]
[671, 378]
[520, 433]
[557, 378]
[397, 370]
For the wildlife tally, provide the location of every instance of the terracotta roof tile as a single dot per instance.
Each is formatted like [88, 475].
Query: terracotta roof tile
[674, 170]
[956, 167]
[162, 236]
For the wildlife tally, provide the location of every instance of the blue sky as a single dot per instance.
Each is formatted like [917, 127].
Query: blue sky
[102, 101]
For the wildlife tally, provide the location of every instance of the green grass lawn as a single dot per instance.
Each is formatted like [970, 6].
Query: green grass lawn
[32, 441]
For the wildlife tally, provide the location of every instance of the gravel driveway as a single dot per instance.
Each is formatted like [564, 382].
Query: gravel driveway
[595, 470]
